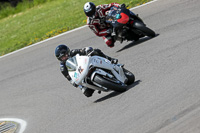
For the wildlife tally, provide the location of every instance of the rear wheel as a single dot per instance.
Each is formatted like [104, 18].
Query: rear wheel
[110, 85]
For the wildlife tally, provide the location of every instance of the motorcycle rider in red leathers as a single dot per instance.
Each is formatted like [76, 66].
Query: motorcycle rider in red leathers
[96, 20]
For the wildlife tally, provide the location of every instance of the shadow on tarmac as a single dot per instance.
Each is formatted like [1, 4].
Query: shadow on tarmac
[144, 39]
[113, 94]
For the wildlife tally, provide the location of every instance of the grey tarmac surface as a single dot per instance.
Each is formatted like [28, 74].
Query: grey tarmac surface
[164, 99]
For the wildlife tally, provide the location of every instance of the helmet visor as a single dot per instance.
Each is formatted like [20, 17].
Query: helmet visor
[64, 57]
[90, 14]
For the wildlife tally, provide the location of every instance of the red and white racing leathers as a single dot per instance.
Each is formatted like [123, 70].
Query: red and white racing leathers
[98, 25]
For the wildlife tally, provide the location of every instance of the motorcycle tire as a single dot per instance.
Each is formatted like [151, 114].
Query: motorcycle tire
[145, 30]
[110, 85]
[130, 76]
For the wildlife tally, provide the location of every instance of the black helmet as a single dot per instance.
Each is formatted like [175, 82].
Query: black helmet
[61, 50]
[89, 9]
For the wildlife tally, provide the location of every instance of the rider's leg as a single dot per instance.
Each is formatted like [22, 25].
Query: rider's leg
[109, 41]
[100, 53]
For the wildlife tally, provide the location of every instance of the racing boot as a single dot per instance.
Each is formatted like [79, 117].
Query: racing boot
[87, 92]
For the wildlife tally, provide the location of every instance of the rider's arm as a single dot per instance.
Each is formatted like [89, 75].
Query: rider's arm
[64, 71]
[94, 27]
[103, 32]
[106, 7]
[73, 52]
[115, 4]
[83, 51]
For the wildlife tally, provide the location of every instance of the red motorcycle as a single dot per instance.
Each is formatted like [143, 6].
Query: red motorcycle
[126, 25]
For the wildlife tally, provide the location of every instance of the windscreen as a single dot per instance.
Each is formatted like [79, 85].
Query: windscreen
[71, 64]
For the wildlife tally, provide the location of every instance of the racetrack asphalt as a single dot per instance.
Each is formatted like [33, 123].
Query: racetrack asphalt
[164, 99]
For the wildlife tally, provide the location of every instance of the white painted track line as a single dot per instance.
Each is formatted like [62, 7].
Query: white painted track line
[20, 121]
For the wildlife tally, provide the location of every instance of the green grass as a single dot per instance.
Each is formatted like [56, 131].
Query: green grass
[6, 9]
[43, 21]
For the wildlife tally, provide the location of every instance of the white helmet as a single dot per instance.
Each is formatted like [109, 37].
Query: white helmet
[89, 9]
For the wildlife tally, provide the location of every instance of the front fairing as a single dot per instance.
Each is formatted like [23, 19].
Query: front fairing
[78, 68]
[104, 64]
[118, 17]
[100, 62]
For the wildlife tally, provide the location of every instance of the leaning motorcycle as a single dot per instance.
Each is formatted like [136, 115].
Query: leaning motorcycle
[98, 73]
[126, 25]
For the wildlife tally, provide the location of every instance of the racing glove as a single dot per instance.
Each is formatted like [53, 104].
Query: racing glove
[88, 50]
[109, 31]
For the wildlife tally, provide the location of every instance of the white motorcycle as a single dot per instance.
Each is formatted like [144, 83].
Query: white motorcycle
[99, 73]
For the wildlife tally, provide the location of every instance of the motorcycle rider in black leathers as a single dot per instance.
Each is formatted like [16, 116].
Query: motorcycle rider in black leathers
[62, 52]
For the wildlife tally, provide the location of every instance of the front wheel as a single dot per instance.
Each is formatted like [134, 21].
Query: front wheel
[110, 85]
[145, 30]
[130, 76]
